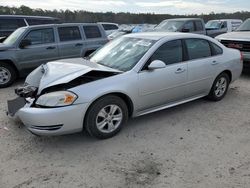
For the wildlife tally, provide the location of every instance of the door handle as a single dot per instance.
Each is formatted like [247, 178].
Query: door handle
[214, 62]
[179, 70]
[51, 48]
[78, 44]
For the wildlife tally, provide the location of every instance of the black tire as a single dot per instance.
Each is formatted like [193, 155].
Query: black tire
[11, 73]
[92, 113]
[212, 95]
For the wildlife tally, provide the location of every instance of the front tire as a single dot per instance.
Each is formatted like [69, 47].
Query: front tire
[7, 75]
[219, 88]
[106, 117]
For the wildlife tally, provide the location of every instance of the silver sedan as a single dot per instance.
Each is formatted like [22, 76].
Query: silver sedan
[131, 76]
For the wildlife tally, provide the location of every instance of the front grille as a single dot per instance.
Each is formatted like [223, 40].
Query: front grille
[243, 46]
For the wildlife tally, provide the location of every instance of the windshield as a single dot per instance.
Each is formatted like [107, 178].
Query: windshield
[122, 53]
[14, 36]
[245, 26]
[213, 24]
[170, 25]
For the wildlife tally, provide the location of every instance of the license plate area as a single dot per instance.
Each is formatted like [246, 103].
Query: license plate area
[15, 104]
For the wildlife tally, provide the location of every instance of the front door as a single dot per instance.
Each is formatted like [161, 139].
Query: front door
[43, 48]
[167, 85]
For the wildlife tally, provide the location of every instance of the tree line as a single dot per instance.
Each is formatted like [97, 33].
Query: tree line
[120, 18]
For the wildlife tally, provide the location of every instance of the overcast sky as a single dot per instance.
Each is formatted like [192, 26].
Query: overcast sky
[135, 6]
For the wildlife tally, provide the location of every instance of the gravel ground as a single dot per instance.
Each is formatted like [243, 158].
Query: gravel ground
[198, 144]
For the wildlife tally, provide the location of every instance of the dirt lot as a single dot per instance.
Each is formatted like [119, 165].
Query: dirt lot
[199, 144]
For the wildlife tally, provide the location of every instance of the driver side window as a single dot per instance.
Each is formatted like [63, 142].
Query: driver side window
[169, 53]
[41, 36]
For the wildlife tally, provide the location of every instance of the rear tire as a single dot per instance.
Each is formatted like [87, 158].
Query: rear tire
[106, 117]
[219, 88]
[8, 74]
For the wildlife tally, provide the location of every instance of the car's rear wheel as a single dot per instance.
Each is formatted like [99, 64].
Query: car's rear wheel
[219, 88]
[106, 117]
[7, 75]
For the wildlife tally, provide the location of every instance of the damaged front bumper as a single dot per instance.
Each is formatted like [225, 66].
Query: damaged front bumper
[47, 121]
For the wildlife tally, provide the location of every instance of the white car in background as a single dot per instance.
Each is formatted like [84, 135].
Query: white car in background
[225, 25]
[109, 27]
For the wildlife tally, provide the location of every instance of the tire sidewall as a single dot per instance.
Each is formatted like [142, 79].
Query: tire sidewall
[90, 118]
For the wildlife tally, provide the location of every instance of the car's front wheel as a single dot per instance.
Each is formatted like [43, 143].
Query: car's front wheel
[7, 75]
[219, 88]
[106, 117]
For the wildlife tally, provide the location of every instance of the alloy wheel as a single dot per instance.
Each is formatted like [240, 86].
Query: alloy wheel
[109, 118]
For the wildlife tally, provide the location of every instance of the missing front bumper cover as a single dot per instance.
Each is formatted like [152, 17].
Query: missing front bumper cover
[15, 105]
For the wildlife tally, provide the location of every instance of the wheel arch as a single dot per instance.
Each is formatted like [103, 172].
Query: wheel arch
[123, 96]
[10, 62]
[229, 73]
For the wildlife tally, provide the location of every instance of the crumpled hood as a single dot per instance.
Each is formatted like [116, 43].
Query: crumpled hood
[4, 47]
[62, 71]
[240, 35]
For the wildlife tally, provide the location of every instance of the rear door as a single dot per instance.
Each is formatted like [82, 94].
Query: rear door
[166, 85]
[70, 41]
[201, 66]
[43, 48]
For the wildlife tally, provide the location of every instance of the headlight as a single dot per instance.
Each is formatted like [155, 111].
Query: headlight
[56, 99]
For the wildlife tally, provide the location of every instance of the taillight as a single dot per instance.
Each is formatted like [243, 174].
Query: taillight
[241, 56]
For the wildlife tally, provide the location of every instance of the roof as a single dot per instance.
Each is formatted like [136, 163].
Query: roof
[226, 20]
[62, 24]
[24, 16]
[107, 23]
[184, 19]
[166, 35]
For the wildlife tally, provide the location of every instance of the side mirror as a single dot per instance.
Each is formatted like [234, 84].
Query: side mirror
[156, 64]
[24, 43]
[185, 30]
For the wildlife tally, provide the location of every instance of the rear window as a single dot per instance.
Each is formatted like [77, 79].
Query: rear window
[69, 33]
[109, 27]
[216, 50]
[92, 32]
[198, 48]
[11, 24]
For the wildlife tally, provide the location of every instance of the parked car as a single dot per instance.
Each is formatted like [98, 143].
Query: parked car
[239, 39]
[109, 27]
[29, 47]
[186, 25]
[133, 75]
[225, 25]
[9, 23]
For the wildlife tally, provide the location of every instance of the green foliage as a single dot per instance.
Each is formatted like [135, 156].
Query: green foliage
[121, 18]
